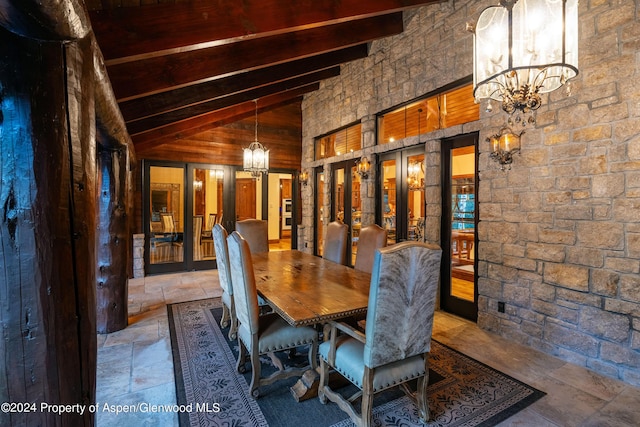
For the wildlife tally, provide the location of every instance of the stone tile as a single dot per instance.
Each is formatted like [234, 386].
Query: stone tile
[183, 293]
[132, 334]
[152, 364]
[565, 405]
[585, 379]
[138, 415]
[113, 371]
[623, 411]
[527, 418]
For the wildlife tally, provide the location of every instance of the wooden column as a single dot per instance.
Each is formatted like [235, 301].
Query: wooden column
[47, 228]
[113, 240]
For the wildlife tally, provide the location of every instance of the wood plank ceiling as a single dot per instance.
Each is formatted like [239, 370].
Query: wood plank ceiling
[180, 67]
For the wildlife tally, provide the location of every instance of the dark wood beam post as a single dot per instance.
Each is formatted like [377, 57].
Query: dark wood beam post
[113, 240]
[47, 228]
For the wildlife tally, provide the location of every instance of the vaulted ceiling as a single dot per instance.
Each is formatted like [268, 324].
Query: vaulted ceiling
[179, 67]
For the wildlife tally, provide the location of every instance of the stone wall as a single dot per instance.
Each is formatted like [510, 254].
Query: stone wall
[559, 234]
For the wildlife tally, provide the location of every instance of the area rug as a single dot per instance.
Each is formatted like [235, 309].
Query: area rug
[210, 392]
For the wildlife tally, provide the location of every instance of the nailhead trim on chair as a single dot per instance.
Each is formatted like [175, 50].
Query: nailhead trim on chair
[288, 346]
[359, 385]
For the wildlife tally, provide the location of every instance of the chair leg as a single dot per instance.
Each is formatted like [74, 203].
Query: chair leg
[313, 355]
[367, 398]
[255, 371]
[226, 316]
[421, 393]
[324, 381]
[242, 357]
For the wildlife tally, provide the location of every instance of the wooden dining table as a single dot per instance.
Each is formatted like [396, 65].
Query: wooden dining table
[306, 290]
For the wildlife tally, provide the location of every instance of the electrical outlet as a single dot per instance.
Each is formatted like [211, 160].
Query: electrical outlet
[500, 306]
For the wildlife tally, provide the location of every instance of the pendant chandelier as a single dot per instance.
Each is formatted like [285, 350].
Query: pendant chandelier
[524, 48]
[256, 156]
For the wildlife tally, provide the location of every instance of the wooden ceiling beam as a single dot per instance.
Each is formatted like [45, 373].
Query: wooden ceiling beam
[160, 120]
[168, 101]
[219, 117]
[145, 77]
[136, 31]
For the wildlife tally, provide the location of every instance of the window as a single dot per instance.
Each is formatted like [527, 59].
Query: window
[439, 111]
[339, 142]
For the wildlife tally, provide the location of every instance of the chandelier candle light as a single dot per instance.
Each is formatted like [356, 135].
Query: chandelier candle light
[256, 156]
[524, 48]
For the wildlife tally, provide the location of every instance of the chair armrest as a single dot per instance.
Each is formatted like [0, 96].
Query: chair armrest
[333, 333]
[351, 331]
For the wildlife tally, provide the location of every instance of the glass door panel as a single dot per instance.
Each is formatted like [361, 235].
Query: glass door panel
[208, 186]
[415, 198]
[319, 212]
[388, 200]
[166, 213]
[346, 192]
[356, 212]
[402, 188]
[459, 223]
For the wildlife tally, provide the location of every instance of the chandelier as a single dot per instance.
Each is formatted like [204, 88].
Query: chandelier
[522, 49]
[256, 156]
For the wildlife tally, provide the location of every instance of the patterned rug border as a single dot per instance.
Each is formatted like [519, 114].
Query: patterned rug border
[495, 414]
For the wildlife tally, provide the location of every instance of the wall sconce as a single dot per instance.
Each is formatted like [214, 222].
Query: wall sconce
[523, 48]
[197, 185]
[303, 178]
[503, 146]
[362, 167]
[414, 178]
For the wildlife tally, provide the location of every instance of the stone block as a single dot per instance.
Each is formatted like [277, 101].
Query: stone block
[604, 324]
[623, 265]
[544, 292]
[610, 185]
[626, 210]
[518, 295]
[555, 311]
[138, 273]
[566, 275]
[580, 298]
[605, 235]
[619, 354]
[571, 339]
[630, 288]
[605, 282]
[545, 252]
[633, 245]
[564, 237]
[635, 340]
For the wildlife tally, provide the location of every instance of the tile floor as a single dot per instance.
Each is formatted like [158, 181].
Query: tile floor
[135, 365]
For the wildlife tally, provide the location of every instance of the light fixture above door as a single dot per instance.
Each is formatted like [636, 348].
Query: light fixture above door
[256, 156]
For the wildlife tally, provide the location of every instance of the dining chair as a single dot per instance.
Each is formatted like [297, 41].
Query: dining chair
[395, 346]
[222, 260]
[264, 334]
[335, 242]
[371, 237]
[256, 233]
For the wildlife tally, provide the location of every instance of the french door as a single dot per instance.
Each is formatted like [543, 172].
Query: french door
[183, 202]
[346, 203]
[459, 219]
[401, 206]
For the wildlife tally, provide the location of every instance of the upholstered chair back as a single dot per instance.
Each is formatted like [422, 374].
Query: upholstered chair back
[244, 285]
[335, 242]
[222, 257]
[402, 301]
[371, 237]
[256, 233]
